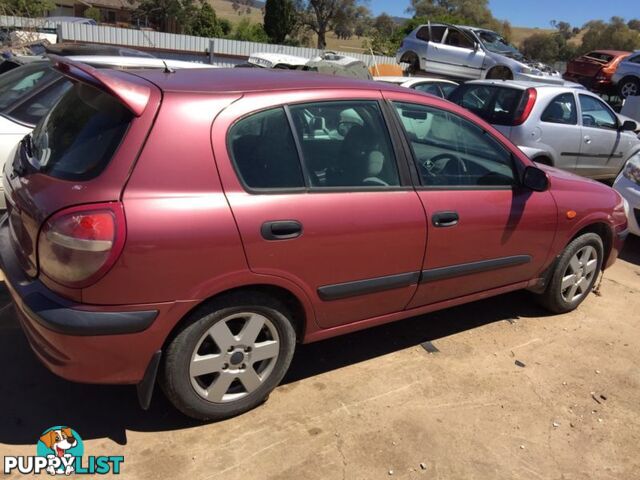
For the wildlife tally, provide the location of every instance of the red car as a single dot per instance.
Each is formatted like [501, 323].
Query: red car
[200, 224]
[595, 69]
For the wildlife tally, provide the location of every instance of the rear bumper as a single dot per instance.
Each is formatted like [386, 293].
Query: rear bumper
[85, 343]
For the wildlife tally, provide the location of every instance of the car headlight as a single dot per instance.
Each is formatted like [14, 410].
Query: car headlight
[632, 169]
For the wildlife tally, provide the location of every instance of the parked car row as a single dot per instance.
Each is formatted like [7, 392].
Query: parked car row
[292, 207]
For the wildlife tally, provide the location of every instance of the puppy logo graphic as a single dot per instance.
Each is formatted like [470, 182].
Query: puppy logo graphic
[60, 443]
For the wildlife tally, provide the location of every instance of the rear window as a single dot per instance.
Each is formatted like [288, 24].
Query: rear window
[496, 105]
[78, 137]
[599, 56]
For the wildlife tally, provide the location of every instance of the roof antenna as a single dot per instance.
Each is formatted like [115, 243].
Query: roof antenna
[167, 68]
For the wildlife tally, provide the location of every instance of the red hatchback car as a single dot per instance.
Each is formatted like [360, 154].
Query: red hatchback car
[595, 69]
[199, 224]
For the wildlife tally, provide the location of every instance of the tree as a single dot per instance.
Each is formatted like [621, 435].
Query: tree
[93, 13]
[204, 22]
[322, 16]
[279, 19]
[251, 32]
[542, 47]
[634, 24]
[614, 35]
[165, 14]
[26, 8]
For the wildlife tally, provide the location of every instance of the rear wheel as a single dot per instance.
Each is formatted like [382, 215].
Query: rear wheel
[229, 356]
[629, 87]
[414, 63]
[574, 275]
[544, 161]
[500, 73]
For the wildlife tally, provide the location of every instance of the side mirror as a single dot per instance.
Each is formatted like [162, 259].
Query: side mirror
[535, 179]
[629, 126]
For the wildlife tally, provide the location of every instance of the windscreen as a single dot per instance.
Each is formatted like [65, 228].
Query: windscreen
[78, 137]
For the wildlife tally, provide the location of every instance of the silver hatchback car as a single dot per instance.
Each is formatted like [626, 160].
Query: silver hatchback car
[565, 127]
[627, 76]
[468, 53]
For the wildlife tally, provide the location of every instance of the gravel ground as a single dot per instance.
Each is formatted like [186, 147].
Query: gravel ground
[511, 393]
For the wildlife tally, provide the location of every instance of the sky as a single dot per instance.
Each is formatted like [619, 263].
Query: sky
[536, 13]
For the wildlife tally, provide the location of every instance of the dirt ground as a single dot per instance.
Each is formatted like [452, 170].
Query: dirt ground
[375, 404]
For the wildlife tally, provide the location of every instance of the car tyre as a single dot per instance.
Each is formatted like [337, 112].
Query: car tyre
[414, 64]
[228, 356]
[574, 274]
[500, 73]
[629, 87]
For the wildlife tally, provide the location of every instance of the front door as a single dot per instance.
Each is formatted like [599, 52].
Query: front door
[458, 55]
[484, 230]
[320, 200]
[560, 132]
[601, 152]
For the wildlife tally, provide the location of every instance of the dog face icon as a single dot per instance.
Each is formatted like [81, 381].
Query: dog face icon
[59, 440]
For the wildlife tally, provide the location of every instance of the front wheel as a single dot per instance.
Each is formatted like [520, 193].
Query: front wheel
[574, 274]
[229, 356]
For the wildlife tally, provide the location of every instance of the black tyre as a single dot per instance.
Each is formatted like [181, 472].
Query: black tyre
[500, 73]
[629, 87]
[414, 64]
[229, 356]
[574, 274]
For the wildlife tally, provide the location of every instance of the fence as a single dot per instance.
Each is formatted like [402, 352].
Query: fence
[181, 45]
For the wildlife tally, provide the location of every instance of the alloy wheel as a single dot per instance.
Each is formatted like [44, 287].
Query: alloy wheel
[629, 89]
[234, 357]
[579, 274]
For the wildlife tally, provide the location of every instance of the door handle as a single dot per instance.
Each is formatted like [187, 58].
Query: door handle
[445, 219]
[587, 139]
[281, 230]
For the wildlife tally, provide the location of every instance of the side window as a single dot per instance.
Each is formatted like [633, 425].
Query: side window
[264, 151]
[431, 88]
[345, 144]
[635, 59]
[596, 114]
[562, 109]
[456, 38]
[451, 151]
[448, 88]
[423, 34]
[437, 32]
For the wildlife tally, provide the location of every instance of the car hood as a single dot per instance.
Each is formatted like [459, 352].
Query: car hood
[517, 62]
[563, 180]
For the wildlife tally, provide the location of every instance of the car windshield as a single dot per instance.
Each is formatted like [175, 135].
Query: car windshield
[23, 81]
[496, 43]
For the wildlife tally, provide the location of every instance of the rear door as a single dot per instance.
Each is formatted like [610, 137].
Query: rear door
[485, 231]
[603, 146]
[560, 131]
[321, 199]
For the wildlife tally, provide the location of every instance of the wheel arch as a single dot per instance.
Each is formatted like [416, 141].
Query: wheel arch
[601, 229]
[300, 310]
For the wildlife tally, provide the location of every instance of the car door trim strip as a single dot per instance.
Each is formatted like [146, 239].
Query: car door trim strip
[364, 287]
[443, 273]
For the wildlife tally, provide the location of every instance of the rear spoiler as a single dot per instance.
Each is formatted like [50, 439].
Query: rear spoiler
[123, 87]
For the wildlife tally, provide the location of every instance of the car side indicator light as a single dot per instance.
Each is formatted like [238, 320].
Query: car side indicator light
[571, 214]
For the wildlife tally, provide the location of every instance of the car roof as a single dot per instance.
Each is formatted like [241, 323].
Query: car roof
[255, 80]
[522, 85]
[399, 80]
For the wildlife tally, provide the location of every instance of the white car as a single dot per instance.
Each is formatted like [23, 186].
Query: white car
[28, 92]
[628, 185]
[435, 86]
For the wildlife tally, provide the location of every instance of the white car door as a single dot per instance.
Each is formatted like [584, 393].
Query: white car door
[458, 56]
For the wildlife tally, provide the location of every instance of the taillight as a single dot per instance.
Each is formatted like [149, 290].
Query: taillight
[526, 106]
[79, 245]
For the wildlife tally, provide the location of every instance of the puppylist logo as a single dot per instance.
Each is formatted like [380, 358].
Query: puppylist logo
[60, 451]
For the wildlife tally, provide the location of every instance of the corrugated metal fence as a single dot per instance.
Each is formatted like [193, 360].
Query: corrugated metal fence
[170, 42]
